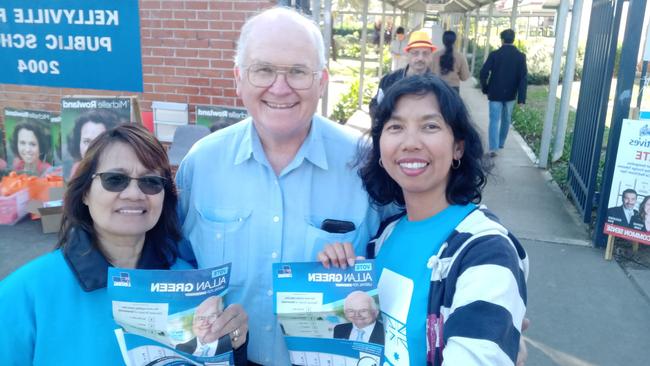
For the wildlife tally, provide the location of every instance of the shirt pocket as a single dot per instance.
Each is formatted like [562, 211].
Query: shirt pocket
[223, 237]
[316, 238]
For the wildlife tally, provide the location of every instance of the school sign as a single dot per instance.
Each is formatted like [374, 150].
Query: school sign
[71, 44]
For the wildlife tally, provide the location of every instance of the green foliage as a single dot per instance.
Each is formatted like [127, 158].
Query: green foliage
[529, 122]
[348, 104]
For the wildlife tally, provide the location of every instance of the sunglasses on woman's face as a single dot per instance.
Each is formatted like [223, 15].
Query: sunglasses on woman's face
[117, 182]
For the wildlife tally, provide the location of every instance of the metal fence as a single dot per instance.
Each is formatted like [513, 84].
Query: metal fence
[600, 55]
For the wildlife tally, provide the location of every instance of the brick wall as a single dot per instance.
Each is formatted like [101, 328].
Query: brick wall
[187, 56]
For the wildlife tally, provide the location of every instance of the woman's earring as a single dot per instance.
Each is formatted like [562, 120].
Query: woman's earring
[455, 164]
[381, 164]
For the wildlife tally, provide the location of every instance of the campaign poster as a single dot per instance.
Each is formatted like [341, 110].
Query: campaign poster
[329, 316]
[166, 317]
[83, 119]
[628, 211]
[28, 141]
[55, 128]
[216, 118]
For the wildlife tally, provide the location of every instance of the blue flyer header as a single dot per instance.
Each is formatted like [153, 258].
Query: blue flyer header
[71, 44]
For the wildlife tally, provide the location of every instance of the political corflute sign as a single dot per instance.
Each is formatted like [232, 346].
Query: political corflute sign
[628, 211]
[71, 43]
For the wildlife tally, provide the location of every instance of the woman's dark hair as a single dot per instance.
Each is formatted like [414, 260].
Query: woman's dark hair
[642, 212]
[400, 30]
[42, 138]
[447, 58]
[465, 183]
[150, 152]
[104, 116]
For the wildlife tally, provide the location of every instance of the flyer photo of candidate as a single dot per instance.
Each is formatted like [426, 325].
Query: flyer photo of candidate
[363, 325]
[205, 342]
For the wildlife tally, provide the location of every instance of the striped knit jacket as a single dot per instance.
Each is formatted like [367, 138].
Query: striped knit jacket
[477, 296]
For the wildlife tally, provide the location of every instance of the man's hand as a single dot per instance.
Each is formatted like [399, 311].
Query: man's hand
[234, 321]
[339, 255]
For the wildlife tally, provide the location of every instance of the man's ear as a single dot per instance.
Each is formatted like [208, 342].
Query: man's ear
[324, 80]
[238, 75]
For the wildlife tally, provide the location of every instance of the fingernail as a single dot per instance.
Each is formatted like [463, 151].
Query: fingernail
[351, 262]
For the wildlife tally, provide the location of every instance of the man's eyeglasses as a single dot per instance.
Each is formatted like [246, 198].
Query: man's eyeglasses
[209, 318]
[362, 312]
[117, 182]
[264, 75]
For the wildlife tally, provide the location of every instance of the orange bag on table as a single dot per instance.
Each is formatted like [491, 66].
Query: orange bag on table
[12, 183]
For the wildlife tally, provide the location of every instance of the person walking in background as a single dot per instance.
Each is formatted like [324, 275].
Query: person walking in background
[419, 52]
[398, 50]
[503, 78]
[450, 65]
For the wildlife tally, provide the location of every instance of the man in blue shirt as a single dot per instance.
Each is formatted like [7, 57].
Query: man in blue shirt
[274, 187]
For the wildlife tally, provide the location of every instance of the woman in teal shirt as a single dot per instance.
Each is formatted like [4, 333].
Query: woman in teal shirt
[119, 210]
[452, 279]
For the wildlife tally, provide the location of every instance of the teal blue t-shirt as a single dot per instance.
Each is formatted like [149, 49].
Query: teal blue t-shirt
[405, 278]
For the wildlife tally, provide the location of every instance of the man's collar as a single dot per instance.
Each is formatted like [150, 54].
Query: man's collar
[90, 266]
[312, 149]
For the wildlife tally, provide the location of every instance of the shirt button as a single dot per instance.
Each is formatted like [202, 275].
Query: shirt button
[274, 255]
[218, 235]
[269, 292]
[276, 218]
[268, 328]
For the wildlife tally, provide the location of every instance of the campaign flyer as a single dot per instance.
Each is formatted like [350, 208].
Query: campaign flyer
[329, 316]
[167, 316]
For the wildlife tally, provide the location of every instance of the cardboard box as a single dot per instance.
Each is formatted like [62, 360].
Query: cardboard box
[14, 207]
[51, 218]
[50, 211]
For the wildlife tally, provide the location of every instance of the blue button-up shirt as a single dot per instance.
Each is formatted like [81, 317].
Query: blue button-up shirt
[234, 208]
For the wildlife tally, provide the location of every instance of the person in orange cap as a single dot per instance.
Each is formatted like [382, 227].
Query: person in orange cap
[419, 54]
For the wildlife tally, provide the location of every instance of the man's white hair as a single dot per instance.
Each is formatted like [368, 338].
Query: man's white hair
[280, 12]
[355, 294]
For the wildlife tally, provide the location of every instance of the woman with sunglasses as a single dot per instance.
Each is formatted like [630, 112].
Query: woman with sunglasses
[451, 278]
[119, 210]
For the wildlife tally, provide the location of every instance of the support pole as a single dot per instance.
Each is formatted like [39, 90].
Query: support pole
[488, 32]
[552, 88]
[466, 33]
[364, 34]
[381, 39]
[513, 15]
[474, 48]
[567, 82]
[327, 37]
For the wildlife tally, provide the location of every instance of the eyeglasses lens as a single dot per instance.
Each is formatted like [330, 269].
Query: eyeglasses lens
[117, 182]
[297, 77]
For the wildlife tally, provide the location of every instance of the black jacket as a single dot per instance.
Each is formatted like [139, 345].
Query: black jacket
[384, 84]
[504, 75]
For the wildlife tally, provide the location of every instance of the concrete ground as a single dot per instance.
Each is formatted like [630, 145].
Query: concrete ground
[584, 310]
